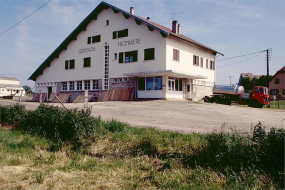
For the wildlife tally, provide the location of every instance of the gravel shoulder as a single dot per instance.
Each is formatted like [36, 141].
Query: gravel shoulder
[181, 116]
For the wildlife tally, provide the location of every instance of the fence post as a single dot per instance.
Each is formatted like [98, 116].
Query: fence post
[86, 101]
[41, 97]
[20, 99]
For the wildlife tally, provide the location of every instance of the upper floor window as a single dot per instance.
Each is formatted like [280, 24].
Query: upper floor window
[277, 81]
[195, 60]
[149, 54]
[212, 65]
[207, 64]
[107, 22]
[93, 39]
[176, 54]
[120, 33]
[87, 62]
[131, 56]
[201, 61]
[69, 64]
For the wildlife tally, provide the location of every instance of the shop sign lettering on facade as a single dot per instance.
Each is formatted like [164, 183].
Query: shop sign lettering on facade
[86, 50]
[129, 42]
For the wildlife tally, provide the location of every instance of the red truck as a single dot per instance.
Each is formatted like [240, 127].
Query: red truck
[228, 94]
[259, 97]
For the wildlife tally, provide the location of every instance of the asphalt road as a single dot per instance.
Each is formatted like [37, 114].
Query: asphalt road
[181, 116]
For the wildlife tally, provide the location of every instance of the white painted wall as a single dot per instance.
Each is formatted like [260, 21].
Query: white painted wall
[14, 82]
[149, 39]
[185, 64]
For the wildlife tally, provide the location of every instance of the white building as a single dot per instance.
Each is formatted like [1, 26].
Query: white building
[112, 48]
[10, 86]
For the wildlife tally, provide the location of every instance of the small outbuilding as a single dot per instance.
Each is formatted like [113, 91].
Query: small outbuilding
[10, 86]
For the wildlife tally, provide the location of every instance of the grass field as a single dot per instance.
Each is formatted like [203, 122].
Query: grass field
[114, 155]
[274, 104]
[124, 161]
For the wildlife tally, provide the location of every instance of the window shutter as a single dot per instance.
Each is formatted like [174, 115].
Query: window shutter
[66, 65]
[194, 60]
[174, 54]
[126, 32]
[89, 40]
[135, 54]
[72, 63]
[121, 57]
[213, 65]
[177, 55]
[114, 35]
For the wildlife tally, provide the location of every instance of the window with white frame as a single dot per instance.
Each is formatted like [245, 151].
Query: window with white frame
[69, 64]
[120, 33]
[195, 60]
[87, 84]
[79, 85]
[95, 84]
[64, 85]
[71, 85]
[128, 57]
[150, 83]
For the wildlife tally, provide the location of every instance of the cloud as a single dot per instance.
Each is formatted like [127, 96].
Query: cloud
[64, 13]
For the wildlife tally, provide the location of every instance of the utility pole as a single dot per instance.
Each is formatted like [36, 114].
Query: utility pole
[231, 80]
[267, 56]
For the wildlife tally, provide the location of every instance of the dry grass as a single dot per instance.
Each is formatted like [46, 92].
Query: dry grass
[129, 159]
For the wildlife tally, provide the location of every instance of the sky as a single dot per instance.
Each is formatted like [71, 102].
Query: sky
[232, 27]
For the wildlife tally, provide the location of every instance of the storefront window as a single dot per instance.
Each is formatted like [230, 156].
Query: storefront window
[149, 83]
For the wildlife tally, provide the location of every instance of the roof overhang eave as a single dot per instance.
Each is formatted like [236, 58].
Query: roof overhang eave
[170, 73]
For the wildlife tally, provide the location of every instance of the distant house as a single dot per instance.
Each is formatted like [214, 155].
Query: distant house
[277, 83]
[10, 86]
[244, 75]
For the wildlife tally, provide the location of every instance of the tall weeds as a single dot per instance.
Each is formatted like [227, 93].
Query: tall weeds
[225, 158]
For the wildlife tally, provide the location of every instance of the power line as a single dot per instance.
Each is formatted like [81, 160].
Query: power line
[240, 61]
[241, 55]
[186, 9]
[25, 18]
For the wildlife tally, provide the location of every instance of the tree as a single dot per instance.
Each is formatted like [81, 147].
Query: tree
[247, 84]
[28, 90]
[262, 81]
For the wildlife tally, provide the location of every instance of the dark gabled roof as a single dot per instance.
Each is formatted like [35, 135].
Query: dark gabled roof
[93, 15]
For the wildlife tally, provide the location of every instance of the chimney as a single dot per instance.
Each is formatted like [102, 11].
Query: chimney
[148, 18]
[178, 29]
[132, 10]
[175, 26]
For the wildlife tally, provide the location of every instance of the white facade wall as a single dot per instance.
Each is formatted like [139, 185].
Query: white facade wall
[148, 39]
[185, 64]
[14, 82]
[55, 74]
